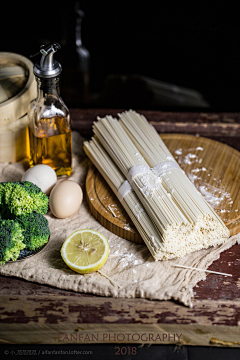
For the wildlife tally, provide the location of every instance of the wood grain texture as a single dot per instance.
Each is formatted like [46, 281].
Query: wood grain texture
[213, 167]
[62, 319]
[88, 115]
[224, 127]
[135, 334]
[103, 310]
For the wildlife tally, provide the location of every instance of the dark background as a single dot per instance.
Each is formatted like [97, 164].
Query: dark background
[190, 44]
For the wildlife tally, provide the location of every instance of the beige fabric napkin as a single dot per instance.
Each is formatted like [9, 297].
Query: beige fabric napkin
[130, 270]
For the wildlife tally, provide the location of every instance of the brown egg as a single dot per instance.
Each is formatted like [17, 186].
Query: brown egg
[65, 198]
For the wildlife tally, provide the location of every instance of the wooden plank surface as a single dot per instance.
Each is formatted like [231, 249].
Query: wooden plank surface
[49, 319]
[39, 313]
[223, 127]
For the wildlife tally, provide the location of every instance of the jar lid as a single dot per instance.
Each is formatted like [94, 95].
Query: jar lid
[12, 80]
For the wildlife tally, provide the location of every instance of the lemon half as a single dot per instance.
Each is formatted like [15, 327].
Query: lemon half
[85, 251]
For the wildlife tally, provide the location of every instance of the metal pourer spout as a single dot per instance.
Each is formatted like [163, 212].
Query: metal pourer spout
[47, 52]
[48, 67]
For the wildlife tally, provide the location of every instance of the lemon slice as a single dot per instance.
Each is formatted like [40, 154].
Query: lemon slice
[85, 251]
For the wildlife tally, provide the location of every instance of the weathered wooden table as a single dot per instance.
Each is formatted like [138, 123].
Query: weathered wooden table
[39, 314]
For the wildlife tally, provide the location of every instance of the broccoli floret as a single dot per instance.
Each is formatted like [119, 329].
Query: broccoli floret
[35, 229]
[21, 197]
[11, 240]
[6, 189]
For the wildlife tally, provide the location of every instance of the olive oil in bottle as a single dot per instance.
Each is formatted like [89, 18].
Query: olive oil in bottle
[54, 150]
[50, 134]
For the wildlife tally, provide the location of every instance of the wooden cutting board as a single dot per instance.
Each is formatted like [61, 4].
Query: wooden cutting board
[213, 167]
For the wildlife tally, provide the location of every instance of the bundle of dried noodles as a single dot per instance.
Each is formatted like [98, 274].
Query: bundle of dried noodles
[182, 220]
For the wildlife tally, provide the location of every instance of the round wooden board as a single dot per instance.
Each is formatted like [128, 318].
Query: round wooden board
[213, 167]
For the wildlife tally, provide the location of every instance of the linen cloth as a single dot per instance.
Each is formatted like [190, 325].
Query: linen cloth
[130, 270]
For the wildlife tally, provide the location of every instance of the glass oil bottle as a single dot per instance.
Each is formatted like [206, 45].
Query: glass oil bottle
[50, 134]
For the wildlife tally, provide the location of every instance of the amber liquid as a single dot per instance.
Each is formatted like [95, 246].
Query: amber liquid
[53, 145]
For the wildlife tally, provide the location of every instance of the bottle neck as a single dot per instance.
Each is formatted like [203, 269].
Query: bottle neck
[78, 34]
[48, 87]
